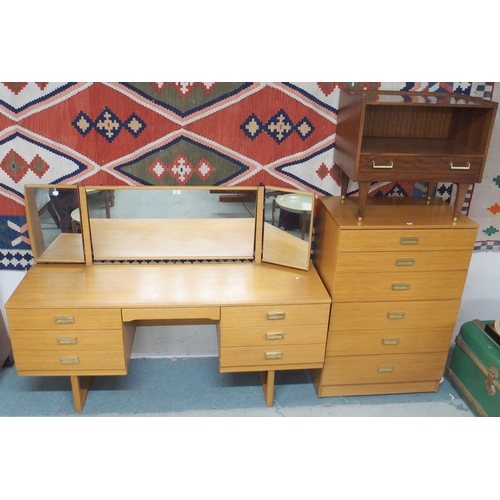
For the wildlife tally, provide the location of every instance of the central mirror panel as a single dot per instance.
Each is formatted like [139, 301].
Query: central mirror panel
[288, 228]
[162, 223]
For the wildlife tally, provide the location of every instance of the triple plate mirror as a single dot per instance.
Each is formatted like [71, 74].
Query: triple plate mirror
[123, 224]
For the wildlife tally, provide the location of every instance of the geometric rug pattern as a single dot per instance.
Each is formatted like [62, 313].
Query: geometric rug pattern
[188, 134]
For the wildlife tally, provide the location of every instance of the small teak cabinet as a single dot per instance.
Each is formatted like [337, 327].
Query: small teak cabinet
[396, 281]
[419, 136]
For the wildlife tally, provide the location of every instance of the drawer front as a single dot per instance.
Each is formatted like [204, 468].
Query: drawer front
[64, 319]
[411, 240]
[69, 361]
[363, 342]
[399, 286]
[273, 337]
[401, 261]
[419, 168]
[393, 316]
[272, 356]
[77, 340]
[274, 316]
[379, 369]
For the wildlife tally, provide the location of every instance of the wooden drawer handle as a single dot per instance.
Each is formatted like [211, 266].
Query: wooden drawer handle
[401, 286]
[278, 315]
[69, 360]
[275, 336]
[382, 166]
[408, 241]
[396, 315]
[385, 369]
[274, 355]
[456, 167]
[390, 341]
[66, 340]
[64, 320]
[405, 262]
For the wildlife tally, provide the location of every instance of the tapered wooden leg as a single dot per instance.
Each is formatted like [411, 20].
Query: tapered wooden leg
[363, 196]
[80, 391]
[431, 186]
[268, 386]
[344, 184]
[459, 199]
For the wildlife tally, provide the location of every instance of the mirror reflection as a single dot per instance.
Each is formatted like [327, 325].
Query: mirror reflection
[148, 223]
[288, 227]
[53, 235]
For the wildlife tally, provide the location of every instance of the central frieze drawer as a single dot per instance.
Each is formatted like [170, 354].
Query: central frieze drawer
[400, 286]
[260, 336]
[416, 240]
[377, 369]
[70, 360]
[272, 356]
[274, 315]
[78, 319]
[78, 340]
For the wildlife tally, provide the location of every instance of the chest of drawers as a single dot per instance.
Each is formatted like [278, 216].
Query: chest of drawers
[396, 281]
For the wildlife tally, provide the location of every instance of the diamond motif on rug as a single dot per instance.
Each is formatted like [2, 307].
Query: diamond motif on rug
[204, 169]
[135, 125]
[14, 166]
[82, 123]
[181, 169]
[252, 126]
[279, 127]
[158, 169]
[15, 87]
[304, 128]
[108, 125]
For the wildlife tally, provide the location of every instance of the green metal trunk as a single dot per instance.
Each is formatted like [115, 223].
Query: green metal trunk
[475, 366]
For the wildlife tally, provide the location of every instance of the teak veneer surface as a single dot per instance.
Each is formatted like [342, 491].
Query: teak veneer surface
[165, 285]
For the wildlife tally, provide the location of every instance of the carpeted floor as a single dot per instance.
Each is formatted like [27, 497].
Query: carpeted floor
[194, 387]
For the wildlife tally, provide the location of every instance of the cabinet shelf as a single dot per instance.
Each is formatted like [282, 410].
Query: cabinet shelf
[405, 136]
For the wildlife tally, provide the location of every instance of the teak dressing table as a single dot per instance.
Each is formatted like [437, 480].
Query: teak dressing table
[75, 312]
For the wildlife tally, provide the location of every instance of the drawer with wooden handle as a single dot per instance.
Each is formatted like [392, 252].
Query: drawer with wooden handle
[361, 342]
[69, 361]
[299, 314]
[79, 340]
[393, 316]
[401, 261]
[414, 240]
[375, 369]
[399, 286]
[272, 356]
[270, 336]
[64, 319]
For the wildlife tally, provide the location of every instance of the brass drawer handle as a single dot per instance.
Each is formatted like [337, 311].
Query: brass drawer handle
[69, 360]
[274, 355]
[405, 262]
[280, 315]
[382, 166]
[396, 315]
[275, 336]
[408, 241]
[64, 320]
[385, 369]
[401, 286]
[456, 167]
[66, 340]
[390, 341]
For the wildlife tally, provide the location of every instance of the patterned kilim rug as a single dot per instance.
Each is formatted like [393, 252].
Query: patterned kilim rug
[191, 134]
[485, 208]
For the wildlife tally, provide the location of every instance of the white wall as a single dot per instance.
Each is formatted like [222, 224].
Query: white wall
[480, 300]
